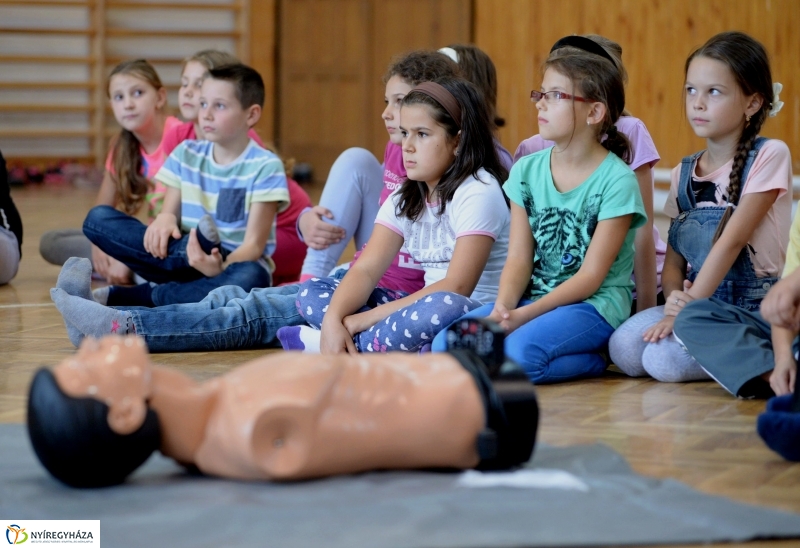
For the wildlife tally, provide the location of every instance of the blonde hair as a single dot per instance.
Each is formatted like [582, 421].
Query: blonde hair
[211, 59]
[126, 158]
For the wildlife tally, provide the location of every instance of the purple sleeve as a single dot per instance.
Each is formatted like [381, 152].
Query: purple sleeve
[531, 145]
[644, 149]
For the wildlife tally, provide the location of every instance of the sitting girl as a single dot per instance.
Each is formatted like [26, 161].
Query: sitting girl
[650, 249]
[730, 207]
[575, 208]
[450, 214]
[139, 103]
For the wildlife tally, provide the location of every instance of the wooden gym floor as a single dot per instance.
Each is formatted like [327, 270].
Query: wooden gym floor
[696, 433]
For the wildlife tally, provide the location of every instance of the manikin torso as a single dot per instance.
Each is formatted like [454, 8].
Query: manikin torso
[287, 415]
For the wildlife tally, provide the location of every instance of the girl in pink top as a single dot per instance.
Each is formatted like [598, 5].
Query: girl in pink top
[650, 249]
[139, 102]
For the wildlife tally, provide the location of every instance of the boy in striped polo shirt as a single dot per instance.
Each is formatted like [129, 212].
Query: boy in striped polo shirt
[224, 192]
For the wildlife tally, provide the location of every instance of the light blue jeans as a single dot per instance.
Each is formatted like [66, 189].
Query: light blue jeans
[351, 193]
[229, 318]
[561, 345]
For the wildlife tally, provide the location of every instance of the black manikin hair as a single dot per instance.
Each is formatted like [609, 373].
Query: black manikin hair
[73, 441]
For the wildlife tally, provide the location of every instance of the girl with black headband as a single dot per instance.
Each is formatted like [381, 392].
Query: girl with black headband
[575, 208]
[451, 216]
[650, 248]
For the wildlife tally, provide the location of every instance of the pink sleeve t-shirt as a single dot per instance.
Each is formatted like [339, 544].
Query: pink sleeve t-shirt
[644, 153]
[771, 170]
[151, 163]
[404, 274]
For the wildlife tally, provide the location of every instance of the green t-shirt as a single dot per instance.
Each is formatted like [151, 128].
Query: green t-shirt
[563, 225]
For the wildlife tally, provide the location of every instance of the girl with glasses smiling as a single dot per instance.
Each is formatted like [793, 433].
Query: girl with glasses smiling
[575, 208]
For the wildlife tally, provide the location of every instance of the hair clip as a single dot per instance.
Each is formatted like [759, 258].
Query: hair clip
[777, 104]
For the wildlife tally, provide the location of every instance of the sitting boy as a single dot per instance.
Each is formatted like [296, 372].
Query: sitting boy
[224, 192]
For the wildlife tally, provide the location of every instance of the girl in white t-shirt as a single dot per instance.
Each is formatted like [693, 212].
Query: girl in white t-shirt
[450, 214]
[730, 207]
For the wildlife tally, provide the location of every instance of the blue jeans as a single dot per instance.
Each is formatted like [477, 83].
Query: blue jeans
[229, 318]
[561, 345]
[122, 237]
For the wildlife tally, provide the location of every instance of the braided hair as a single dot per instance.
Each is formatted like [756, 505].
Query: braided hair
[749, 63]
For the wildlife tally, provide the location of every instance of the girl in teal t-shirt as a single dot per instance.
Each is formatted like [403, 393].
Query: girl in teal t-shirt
[574, 212]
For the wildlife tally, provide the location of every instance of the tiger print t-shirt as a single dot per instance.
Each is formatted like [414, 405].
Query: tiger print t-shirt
[563, 224]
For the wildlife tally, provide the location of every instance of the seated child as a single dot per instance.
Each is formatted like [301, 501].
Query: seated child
[731, 208]
[451, 216]
[290, 250]
[225, 192]
[139, 103]
[10, 229]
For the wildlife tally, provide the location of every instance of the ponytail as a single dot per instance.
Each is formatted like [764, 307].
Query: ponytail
[617, 143]
[130, 184]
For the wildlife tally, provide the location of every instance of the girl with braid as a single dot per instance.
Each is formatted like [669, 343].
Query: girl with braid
[730, 207]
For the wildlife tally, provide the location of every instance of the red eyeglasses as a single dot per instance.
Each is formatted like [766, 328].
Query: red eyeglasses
[555, 96]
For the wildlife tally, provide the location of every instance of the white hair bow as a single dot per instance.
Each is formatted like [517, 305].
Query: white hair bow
[777, 104]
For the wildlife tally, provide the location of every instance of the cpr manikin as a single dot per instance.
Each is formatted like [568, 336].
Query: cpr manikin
[98, 415]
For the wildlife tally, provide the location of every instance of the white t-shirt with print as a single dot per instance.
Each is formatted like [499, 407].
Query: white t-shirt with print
[478, 207]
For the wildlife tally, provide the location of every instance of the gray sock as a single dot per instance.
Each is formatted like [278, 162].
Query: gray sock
[668, 361]
[90, 318]
[100, 295]
[207, 233]
[76, 279]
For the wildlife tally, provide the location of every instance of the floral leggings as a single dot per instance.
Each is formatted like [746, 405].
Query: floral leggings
[407, 330]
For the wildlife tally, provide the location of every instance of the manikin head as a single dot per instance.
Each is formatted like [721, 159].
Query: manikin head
[88, 418]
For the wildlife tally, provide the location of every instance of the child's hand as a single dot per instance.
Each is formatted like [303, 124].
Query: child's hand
[356, 323]
[781, 306]
[111, 269]
[208, 265]
[509, 320]
[157, 235]
[782, 378]
[318, 234]
[661, 330]
[335, 339]
[676, 301]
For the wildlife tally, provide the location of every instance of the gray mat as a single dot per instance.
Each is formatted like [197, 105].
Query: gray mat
[162, 505]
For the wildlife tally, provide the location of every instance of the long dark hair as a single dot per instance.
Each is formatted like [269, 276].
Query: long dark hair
[598, 80]
[749, 63]
[131, 184]
[476, 148]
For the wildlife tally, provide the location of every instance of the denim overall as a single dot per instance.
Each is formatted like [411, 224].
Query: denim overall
[692, 235]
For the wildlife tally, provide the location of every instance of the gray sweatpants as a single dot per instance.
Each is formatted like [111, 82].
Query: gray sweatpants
[732, 344]
[9, 256]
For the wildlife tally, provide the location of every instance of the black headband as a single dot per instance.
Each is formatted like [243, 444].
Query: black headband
[586, 44]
